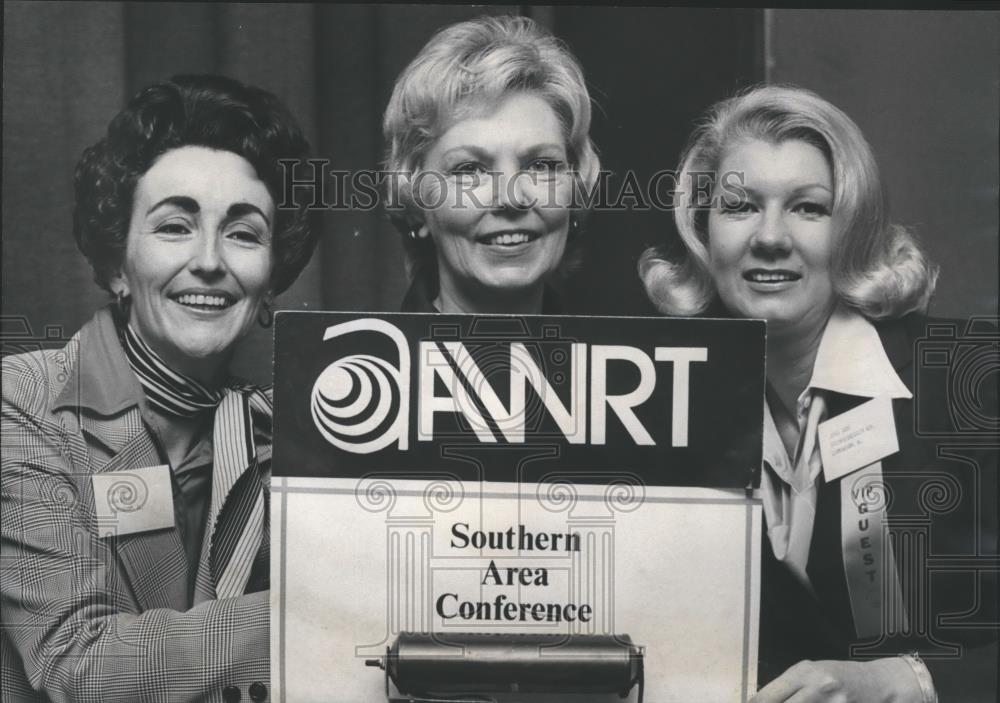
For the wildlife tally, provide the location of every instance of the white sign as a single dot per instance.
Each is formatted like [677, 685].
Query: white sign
[357, 562]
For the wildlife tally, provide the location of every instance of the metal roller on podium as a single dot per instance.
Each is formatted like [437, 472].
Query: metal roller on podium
[470, 667]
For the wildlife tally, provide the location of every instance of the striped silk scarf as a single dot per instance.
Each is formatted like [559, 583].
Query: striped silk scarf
[239, 506]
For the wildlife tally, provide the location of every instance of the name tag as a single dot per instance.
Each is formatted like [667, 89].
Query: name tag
[857, 438]
[133, 501]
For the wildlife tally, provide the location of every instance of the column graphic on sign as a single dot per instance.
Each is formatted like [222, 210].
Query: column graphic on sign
[909, 618]
[469, 507]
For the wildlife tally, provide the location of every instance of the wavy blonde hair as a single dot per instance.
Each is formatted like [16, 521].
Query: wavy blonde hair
[878, 267]
[468, 67]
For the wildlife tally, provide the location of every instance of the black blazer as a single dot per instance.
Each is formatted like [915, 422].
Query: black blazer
[420, 295]
[943, 520]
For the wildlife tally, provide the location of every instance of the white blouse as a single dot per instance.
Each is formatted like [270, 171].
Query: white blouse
[852, 361]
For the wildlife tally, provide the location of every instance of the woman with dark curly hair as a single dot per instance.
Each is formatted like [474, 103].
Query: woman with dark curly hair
[135, 470]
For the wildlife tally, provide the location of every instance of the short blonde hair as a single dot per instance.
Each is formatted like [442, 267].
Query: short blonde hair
[463, 68]
[878, 268]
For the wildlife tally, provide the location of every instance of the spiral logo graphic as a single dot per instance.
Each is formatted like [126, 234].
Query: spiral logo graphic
[360, 403]
[127, 495]
[940, 494]
[556, 496]
[443, 496]
[61, 493]
[375, 495]
[625, 495]
[875, 493]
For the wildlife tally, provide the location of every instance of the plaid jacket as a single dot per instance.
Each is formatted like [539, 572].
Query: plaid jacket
[90, 618]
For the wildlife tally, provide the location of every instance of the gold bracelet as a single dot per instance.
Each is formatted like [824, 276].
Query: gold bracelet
[927, 691]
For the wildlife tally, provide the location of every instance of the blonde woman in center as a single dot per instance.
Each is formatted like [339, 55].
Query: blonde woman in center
[488, 143]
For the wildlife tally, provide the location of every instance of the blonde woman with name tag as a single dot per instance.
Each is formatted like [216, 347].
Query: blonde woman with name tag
[855, 502]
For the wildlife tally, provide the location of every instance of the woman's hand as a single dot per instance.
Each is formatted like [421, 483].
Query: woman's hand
[889, 680]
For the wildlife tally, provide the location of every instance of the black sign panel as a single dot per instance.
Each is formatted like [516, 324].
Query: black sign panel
[671, 402]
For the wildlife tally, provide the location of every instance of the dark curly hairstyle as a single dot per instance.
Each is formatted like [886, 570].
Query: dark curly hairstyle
[211, 111]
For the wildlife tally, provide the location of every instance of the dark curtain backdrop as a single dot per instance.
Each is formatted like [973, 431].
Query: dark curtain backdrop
[925, 89]
[69, 67]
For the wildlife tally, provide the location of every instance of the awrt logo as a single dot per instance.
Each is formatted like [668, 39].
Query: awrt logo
[360, 402]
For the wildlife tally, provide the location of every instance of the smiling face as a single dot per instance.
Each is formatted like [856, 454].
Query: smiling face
[198, 256]
[495, 191]
[770, 251]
